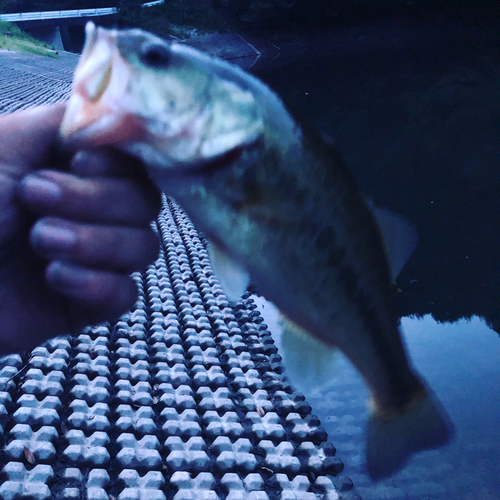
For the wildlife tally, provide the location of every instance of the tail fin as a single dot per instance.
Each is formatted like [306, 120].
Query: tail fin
[423, 425]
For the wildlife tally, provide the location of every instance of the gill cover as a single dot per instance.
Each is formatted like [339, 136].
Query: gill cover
[160, 102]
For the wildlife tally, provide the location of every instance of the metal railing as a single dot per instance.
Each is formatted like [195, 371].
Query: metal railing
[62, 14]
[150, 4]
[56, 14]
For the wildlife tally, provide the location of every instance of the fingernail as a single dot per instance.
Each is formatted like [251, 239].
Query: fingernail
[85, 163]
[52, 238]
[81, 157]
[69, 275]
[40, 190]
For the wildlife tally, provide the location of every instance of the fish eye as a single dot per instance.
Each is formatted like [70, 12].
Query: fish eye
[155, 55]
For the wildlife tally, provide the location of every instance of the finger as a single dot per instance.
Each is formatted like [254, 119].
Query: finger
[28, 136]
[105, 162]
[10, 215]
[107, 294]
[104, 200]
[112, 248]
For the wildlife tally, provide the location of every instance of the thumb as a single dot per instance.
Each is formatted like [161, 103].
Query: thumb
[26, 137]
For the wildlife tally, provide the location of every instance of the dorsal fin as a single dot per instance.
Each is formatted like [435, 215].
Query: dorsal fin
[399, 236]
[233, 278]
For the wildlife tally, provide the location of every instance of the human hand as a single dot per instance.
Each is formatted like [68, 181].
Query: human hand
[70, 231]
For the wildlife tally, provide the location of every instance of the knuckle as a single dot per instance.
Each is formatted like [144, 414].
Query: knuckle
[81, 197]
[93, 245]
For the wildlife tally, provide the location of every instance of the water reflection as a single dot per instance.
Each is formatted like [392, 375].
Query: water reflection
[419, 126]
[460, 362]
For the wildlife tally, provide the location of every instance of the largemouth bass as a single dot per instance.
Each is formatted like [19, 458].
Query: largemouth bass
[277, 204]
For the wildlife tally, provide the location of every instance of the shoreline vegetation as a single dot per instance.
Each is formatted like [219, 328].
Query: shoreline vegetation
[293, 22]
[297, 26]
[13, 38]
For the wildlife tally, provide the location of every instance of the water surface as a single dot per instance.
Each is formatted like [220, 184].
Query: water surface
[460, 362]
[418, 123]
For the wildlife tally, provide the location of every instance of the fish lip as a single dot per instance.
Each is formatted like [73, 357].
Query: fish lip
[99, 81]
[110, 129]
[96, 71]
[91, 110]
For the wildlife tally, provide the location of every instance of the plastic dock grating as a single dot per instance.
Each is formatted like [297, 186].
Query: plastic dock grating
[183, 398]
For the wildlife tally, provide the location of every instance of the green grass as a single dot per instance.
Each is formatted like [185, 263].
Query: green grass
[12, 38]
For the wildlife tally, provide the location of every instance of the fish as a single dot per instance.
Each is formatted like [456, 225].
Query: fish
[278, 206]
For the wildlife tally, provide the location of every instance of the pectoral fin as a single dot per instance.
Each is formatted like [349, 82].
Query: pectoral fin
[233, 278]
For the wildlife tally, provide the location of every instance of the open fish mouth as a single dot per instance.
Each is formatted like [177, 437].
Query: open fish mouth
[93, 113]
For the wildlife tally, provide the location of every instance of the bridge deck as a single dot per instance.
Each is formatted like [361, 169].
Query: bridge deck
[65, 14]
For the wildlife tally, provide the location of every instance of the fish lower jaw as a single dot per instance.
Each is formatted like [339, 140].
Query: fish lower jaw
[154, 159]
[188, 167]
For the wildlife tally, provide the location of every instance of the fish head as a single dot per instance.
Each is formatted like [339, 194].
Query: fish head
[167, 104]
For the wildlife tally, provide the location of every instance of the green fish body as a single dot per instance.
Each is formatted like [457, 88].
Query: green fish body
[277, 204]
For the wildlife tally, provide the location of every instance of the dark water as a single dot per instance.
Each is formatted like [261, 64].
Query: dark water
[420, 131]
[419, 125]
[459, 360]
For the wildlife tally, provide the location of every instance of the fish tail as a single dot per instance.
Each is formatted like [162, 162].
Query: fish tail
[423, 424]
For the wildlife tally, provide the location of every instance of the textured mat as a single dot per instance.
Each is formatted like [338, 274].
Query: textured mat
[182, 398]
[27, 80]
